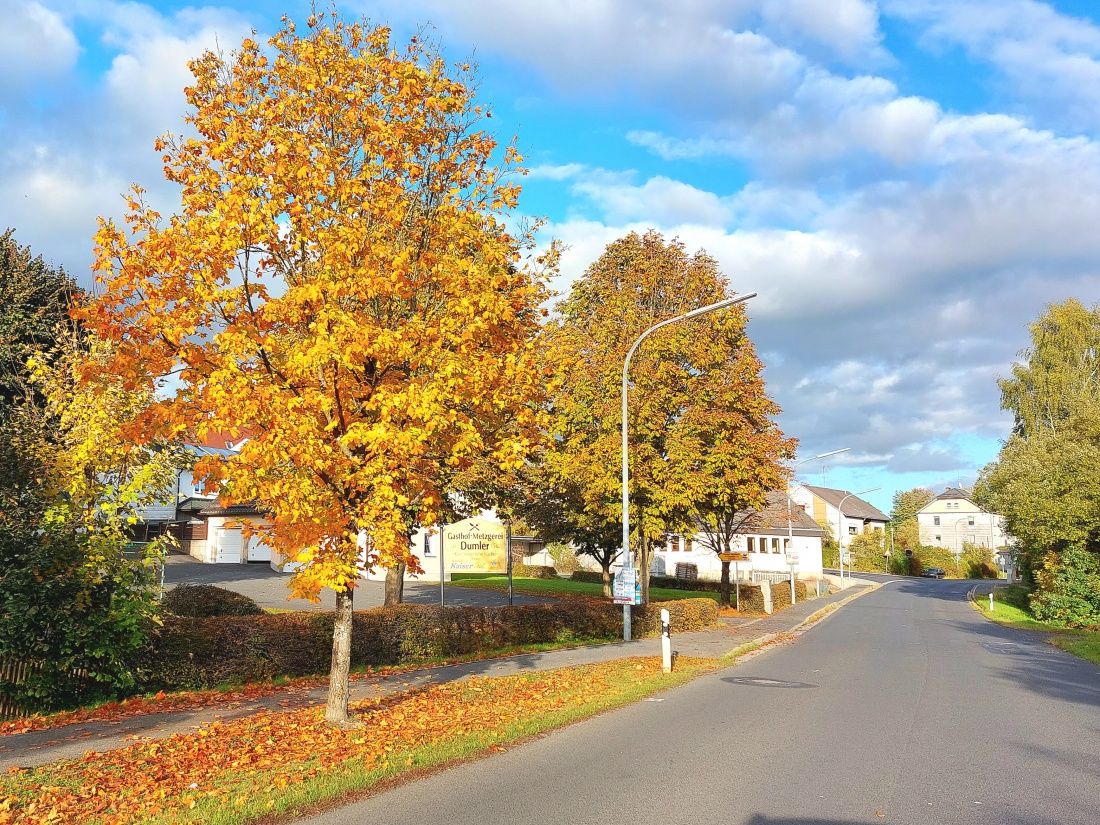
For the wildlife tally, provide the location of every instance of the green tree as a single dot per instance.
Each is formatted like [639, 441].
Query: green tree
[71, 601]
[1045, 482]
[34, 302]
[907, 503]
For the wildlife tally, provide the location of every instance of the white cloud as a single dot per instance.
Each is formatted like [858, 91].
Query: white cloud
[849, 28]
[1049, 60]
[35, 44]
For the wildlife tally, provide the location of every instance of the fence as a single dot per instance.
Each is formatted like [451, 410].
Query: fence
[14, 672]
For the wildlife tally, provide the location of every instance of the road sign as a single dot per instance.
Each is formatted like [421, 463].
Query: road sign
[792, 558]
[736, 556]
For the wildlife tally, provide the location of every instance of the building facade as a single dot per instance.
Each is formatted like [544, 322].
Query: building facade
[952, 519]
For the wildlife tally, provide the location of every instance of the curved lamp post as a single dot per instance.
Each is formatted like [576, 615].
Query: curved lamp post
[840, 528]
[627, 558]
[790, 528]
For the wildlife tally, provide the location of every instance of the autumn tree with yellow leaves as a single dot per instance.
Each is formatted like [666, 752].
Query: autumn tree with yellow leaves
[340, 281]
[703, 445]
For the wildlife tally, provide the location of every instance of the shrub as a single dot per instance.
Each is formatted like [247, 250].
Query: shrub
[696, 585]
[205, 652]
[1068, 588]
[534, 571]
[201, 601]
[781, 594]
[590, 576]
[565, 559]
[683, 616]
[752, 598]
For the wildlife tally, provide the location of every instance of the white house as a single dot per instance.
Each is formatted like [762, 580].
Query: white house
[765, 538]
[952, 519]
[840, 512]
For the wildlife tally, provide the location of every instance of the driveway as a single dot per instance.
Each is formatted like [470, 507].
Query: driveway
[268, 587]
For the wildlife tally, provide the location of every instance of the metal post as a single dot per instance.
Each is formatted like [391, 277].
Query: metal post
[627, 559]
[508, 550]
[442, 597]
[840, 530]
[666, 642]
[737, 588]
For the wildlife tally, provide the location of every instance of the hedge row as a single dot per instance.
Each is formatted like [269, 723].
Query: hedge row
[781, 594]
[533, 571]
[205, 652]
[590, 576]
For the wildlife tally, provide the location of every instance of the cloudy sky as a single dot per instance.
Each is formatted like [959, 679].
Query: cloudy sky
[906, 183]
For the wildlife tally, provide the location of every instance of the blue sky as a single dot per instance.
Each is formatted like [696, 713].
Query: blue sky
[906, 183]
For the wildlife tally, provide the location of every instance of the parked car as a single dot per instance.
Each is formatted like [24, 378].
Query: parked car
[933, 573]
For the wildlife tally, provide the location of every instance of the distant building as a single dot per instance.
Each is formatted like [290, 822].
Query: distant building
[822, 505]
[952, 519]
[765, 538]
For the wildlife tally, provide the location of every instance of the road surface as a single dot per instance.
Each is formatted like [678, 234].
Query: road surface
[905, 706]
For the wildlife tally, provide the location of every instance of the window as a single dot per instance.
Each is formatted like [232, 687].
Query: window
[851, 529]
[786, 545]
[970, 522]
[878, 528]
[936, 521]
[427, 545]
[750, 543]
[674, 544]
[775, 545]
[687, 544]
[937, 536]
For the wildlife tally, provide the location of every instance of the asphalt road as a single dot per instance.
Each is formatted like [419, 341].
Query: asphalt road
[905, 706]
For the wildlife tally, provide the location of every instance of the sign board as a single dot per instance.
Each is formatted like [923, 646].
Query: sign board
[625, 588]
[846, 557]
[735, 556]
[475, 545]
[792, 558]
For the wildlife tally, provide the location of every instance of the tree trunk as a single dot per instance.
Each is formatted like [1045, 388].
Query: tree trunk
[607, 579]
[395, 585]
[643, 566]
[725, 601]
[336, 710]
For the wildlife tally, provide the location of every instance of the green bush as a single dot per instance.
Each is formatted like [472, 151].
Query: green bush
[201, 601]
[533, 571]
[695, 585]
[684, 616]
[1068, 588]
[590, 576]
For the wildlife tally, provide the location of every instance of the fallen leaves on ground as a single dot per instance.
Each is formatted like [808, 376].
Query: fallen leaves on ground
[251, 760]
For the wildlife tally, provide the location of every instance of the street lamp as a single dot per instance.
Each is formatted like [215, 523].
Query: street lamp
[790, 529]
[958, 540]
[695, 313]
[840, 528]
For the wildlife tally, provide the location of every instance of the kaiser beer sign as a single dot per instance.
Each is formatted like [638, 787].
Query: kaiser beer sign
[476, 545]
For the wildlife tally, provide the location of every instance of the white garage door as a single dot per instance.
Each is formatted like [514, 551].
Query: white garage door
[229, 546]
[257, 550]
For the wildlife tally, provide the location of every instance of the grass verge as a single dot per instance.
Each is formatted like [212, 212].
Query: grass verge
[1011, 609]
[274, 766]
[566, 588]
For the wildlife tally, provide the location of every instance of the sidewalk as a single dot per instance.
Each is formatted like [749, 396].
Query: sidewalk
[69, 742]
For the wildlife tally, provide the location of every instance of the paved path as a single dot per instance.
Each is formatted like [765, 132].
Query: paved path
[268, 587]
[71, 741]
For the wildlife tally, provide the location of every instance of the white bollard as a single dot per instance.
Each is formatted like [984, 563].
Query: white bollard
[666, 643]
[991, 602]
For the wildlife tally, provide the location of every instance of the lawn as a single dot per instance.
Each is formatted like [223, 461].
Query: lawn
[564, 587]
[1010, 608]
[290, 763]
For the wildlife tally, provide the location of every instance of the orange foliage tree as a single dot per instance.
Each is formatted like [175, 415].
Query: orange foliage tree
[340, 282]
[702, 442]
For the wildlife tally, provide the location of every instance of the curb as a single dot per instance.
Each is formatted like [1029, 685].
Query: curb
[813, 618]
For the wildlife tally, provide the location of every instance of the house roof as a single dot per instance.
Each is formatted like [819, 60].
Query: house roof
[952, 493]
[854, 506]
[216, 509]
[773, 518]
